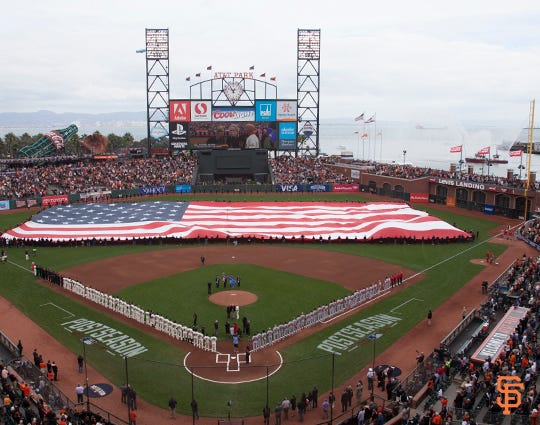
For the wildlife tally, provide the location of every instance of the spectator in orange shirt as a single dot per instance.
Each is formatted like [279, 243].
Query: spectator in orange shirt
[512, 360]
[132, 417]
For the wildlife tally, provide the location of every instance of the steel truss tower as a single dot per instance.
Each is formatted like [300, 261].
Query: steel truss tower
[308, 80]
[157, 85]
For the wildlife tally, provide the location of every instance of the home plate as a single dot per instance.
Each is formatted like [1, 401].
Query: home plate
[233, 257]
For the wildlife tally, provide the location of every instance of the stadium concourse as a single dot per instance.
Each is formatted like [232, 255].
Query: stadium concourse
[421, 338]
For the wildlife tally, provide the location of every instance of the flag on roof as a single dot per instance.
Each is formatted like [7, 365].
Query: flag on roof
[209, 68]
[272, 78]
[198, 74]
[263, 75]
[456, 149]
[191, 220]
[252, 67]
[483, 151]
[370, 120]
[360, 117]
[519, 152]
[188, 78]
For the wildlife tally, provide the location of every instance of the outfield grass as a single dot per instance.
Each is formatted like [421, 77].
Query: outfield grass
[305, 364]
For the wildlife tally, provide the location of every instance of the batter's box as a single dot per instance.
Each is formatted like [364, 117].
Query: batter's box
[232, 361]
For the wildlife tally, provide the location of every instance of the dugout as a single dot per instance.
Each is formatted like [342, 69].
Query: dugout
[233, 166]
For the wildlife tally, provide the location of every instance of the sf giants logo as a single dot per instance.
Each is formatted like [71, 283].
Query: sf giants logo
[509, 387]
[179, 111]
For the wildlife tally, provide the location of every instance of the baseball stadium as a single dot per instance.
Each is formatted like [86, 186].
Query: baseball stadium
[227, 272]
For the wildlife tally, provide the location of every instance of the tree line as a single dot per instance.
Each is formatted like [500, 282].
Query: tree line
[10, 144]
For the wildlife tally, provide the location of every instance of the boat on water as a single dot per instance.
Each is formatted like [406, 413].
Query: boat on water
[483, 159]
[522, 141]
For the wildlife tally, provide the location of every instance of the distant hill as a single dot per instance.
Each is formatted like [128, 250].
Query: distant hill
[51, 119]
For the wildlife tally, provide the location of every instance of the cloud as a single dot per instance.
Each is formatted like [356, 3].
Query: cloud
[468, 59]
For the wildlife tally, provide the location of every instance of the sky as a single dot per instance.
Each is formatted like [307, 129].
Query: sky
[425, 61]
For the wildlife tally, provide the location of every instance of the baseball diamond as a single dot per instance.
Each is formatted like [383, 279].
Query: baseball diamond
[117, 273]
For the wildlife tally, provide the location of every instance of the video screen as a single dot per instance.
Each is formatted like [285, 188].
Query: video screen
[241, 135]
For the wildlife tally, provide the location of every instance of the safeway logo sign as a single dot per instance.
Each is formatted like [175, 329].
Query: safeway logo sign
[179, 111]
[201, 110]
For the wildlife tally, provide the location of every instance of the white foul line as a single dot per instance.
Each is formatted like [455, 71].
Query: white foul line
[60, 308]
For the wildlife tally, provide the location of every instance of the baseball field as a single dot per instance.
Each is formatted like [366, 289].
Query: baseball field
[278, 282]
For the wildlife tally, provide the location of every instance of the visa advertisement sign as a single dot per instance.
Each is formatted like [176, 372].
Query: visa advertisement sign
[265, 110]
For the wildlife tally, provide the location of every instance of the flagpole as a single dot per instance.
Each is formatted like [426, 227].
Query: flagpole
[375, 144]
[363, 142]
[358, 145]
[520, 164]
[489, 159]
[369, 145]
[380, 152]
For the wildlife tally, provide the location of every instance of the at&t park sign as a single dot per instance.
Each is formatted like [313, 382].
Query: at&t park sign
[460, 183]
[233, 74]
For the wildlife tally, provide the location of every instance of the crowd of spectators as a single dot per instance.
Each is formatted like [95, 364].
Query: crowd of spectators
[82, 176]
[478, 381]
[71, 175]
[531, 231]
[298, 170]
[410, 172]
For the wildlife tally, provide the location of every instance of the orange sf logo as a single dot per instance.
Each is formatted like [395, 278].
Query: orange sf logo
[509, 386]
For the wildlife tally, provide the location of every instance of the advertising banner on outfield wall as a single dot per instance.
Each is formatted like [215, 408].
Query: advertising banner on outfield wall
[289, 188]
[489, 209]
[317, 188]
[419, 198]
[4, 205]
[153, 190]
[49, 201]
[346, 188]
[182, 188]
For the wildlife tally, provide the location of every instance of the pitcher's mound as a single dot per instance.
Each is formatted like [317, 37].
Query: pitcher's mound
[233, 297]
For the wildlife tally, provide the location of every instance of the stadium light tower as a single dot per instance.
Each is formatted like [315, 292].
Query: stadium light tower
[157, 84]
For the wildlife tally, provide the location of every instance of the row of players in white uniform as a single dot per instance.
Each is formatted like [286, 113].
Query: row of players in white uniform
[136, 313]
[258, 341]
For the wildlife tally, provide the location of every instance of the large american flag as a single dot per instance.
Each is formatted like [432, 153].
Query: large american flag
[235, 219]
